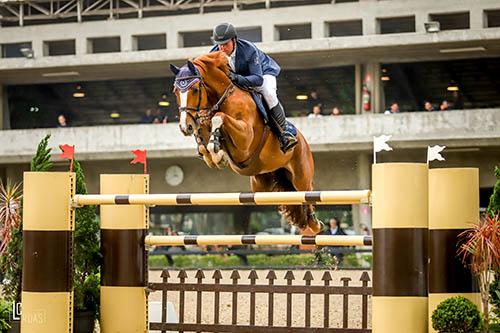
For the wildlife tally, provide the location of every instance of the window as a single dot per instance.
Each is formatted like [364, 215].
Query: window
[59, 47]
[396, 25]
[493, 18]
[345, 28]
[251, 34]
[452, 21]
[150, 42]
[196, 38]
[298, 31]
[104, 44]
[15, 50]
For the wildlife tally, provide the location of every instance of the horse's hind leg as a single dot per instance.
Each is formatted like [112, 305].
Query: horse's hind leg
[301, 173]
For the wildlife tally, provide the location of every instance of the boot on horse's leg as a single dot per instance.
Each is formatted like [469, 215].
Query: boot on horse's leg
[287, 140]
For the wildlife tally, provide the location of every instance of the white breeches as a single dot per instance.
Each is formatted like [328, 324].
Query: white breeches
[268, 90]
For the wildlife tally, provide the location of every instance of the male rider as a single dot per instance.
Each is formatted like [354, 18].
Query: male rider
[252, 68]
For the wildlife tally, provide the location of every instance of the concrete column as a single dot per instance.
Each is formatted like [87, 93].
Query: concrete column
[4, 109]
[358, 86]
[124, 269]
[477, 18]
[361, 214]
[173, 38]
[371, 78]
[48, 227]
[126, 43]
[318, 29]
[37, 46]
[453, 208]
[369, 25]
[269, 33]
[81, 45]
[400, 232]
[420, 18]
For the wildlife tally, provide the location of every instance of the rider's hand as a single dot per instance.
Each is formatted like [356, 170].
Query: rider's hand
[233, 77]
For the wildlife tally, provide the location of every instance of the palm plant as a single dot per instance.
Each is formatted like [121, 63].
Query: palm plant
[10, 217]
[481, 252]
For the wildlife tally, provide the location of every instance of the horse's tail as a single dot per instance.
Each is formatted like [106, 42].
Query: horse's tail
[295, 214]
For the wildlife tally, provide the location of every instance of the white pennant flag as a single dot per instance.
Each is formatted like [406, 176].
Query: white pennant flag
[433, 153]
[379, 144]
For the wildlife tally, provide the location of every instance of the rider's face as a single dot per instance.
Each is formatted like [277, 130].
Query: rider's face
[227, 48]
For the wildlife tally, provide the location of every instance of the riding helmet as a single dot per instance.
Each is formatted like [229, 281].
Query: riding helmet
[223, 33]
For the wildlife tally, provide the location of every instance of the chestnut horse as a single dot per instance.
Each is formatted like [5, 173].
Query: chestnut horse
[230, 131]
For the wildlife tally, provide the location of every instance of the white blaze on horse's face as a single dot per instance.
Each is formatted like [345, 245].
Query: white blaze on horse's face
[183, 116]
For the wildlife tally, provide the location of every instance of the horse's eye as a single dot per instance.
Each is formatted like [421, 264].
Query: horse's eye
[195, 89]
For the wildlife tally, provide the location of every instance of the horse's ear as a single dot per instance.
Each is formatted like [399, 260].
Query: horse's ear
[174, 69]
[192, 68]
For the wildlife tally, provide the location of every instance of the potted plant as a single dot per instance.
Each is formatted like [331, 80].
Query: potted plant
[457, 315]
[481, 252]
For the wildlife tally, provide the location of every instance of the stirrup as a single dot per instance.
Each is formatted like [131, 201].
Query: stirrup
[287, 142]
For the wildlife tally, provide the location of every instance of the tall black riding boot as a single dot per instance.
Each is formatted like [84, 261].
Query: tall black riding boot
[287, 140]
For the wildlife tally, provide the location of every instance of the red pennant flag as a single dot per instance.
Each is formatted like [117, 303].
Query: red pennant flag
[69, 153]
[140, 157]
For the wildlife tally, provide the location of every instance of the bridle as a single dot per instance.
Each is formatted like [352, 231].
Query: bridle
[185, 83]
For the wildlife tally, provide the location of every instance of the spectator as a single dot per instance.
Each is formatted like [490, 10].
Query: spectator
[313, 101]
[444, 106]
[316, 112]
[393, 109]
[335, 230]
[61, 121]
[428, 107]
[336, 111]
[156, 120]
[147, 117]
[158, 114]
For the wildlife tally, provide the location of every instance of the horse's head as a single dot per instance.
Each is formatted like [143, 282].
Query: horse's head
[191, 97]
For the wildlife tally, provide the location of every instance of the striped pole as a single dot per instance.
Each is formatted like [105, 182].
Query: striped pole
[319, 240]
[213, 199]
[400, 230]
[453, 208]
[48, 225]
[124, 270]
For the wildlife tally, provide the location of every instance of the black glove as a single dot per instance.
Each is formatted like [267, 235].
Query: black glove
[233, 77]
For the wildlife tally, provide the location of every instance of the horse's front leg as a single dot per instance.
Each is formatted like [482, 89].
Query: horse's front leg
[238, 131]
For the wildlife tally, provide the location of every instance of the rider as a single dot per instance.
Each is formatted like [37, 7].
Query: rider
[252, 68]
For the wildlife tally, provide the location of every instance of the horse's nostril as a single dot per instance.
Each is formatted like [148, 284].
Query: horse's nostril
[190, 127]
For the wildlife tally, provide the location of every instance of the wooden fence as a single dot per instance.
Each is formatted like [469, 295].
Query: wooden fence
[213, 288]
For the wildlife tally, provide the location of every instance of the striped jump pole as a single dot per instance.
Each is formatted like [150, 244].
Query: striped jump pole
[319, 240]
[400, 230]
[453, 208]
[124, 270]
[48, 227]
[213, 199]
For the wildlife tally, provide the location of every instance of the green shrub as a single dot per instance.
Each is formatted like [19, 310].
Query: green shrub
[495, 294]
[456, 314]
[5, 313]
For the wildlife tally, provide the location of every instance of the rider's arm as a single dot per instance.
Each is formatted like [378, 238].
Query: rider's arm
[255, 78]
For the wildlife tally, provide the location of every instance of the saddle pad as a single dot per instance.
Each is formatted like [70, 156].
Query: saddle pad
[291, 128]
[260, 105]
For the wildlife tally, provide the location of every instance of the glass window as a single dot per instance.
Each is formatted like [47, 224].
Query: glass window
[150, 42]
[251, 34]
[196, 38]
[59, 47]
[17, 50]
[396, 25]
[297, 31]
[493, 18]
[104, 45]
[452, 21]
[345, 28]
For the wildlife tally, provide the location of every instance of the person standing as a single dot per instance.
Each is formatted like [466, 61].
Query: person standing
[335, 230]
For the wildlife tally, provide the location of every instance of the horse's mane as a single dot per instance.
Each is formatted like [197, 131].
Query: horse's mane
[213, 59]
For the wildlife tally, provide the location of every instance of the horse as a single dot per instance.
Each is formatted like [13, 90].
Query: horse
[230, 131]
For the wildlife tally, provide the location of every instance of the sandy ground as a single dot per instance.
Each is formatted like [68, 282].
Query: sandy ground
[298, 309]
